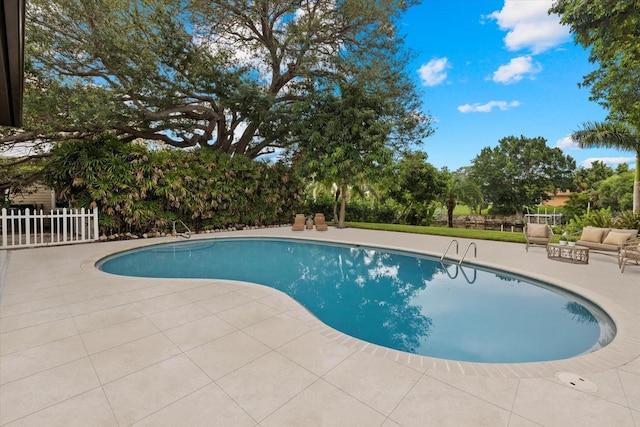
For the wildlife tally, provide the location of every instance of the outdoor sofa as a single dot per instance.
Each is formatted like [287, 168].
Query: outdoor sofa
[606, 239]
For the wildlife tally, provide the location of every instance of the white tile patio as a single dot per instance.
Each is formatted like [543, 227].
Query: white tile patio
[82, 347]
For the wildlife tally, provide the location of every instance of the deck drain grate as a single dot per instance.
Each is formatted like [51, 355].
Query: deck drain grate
[577, 382]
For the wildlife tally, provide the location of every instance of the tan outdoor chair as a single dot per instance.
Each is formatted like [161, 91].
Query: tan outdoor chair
[630, 252]
[537, 234]
[321, 225]
[298, 223]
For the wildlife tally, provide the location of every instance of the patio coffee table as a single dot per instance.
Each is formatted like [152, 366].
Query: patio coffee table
[575, 254]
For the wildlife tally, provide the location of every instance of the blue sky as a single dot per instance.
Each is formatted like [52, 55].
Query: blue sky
[488, 69]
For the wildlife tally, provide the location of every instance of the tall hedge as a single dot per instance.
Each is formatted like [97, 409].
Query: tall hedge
[139, 190]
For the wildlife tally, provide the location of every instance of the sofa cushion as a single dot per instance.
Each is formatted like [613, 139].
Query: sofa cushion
[536, 230]
[632, 232]
[616, 238]
[598, 246]
[592, 234]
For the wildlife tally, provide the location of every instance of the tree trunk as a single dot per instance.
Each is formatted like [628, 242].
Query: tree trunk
[636, 187]
[405, 213]
[335, 205]
[450, 207]
[343, 205]
[636, 197]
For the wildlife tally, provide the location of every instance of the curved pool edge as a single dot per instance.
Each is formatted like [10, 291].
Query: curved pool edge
[624, 348]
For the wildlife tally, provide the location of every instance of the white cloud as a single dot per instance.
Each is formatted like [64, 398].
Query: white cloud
[434, 72]
[610, 161]
[486, 108]
[529, 26]
[517, 69]
[567, 143]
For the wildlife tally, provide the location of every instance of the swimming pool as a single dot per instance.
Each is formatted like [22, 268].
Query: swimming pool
[399, 300]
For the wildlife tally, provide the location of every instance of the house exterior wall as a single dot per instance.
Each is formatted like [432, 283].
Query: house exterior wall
[557, 200]
[38, 195]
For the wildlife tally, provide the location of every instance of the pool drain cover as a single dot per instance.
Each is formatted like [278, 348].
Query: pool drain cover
[577, 382]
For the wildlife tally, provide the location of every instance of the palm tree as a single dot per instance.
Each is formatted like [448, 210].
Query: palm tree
[460, 189]
[363, 189]
[620, 136]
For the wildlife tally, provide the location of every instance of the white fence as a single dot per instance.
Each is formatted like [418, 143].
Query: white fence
[59, 227]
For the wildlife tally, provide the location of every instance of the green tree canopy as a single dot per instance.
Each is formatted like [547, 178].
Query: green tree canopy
[218, 74]
[343, 137]
[615, 192]
[460, 188]
[620, 136]
[415, 183]
[588, 178]
[611, 32]
[520, 172]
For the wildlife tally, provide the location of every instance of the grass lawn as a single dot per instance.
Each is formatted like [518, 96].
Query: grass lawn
[464, 210]
[467, 233]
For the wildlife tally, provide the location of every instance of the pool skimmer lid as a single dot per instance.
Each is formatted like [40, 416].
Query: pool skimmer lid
[577, 382]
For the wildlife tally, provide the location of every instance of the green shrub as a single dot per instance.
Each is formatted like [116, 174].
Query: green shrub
[140, 190]
[628, 219]
[604, 218]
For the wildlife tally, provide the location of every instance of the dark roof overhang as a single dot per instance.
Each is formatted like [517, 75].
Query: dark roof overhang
[12, 18]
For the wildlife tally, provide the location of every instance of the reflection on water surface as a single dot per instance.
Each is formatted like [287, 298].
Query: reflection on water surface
[397, 300]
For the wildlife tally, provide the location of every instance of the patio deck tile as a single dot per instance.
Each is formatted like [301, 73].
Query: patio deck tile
[33, 336]
[434, 403]
[315, 352]
[322, 404]
[131, 357]
[551, 404]
[20, 364]
[227, 354]
[87, 409]
[375, 381]
[208, 406]
[277, 330]
[121, 333]
[201, 331]
[193, 352]
[147, 391]
[265, 384]
[39, 391]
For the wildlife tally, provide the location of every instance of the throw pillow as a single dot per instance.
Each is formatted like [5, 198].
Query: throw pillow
[592, 234]
[536, 230]
[616, 238]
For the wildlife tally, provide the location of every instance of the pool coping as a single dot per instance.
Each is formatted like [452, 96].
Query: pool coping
[624, 348]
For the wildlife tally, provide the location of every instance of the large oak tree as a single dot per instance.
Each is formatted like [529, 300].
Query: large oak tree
[521, 172]
[219, 74]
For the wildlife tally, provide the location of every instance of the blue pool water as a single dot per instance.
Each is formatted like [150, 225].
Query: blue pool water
[398, 300]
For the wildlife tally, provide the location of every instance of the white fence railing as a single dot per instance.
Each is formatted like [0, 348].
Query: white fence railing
[38, 228]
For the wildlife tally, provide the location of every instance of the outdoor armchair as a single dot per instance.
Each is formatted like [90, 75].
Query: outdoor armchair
[537, 234]
[298, 223]
[320, 222]
[630, 252]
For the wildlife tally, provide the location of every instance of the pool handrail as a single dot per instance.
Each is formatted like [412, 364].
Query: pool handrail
[448, 247]
[475, 252]
[186, 235]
